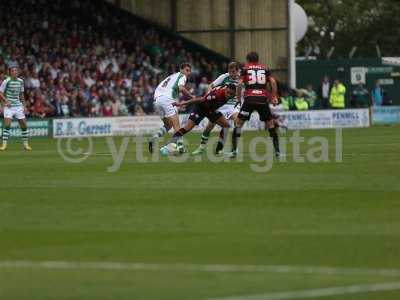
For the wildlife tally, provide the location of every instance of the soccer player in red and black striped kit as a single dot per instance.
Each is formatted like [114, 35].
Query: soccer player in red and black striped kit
[255, 78]
[205, 107]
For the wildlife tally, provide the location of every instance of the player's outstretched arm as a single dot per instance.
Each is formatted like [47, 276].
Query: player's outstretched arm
[274, 90]
[2, 97]
[191, 101]
[239, 91]
[185, 92]
[4, 100]
[217, 82]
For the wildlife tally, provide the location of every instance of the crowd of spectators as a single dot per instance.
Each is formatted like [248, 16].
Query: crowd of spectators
[87, 58]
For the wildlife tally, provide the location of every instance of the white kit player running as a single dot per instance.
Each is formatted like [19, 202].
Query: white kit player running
[230, 110]
[12, 96]
[165, 96]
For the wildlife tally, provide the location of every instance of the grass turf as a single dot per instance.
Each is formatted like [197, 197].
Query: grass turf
[341, 215]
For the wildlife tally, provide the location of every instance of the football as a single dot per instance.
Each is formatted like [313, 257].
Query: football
[170, 149]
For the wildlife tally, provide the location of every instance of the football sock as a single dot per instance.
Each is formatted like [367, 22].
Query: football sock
[178, 135]
[235, 136]
[204, 139]
[24, 136]
[222, 138]
[6, 134]
[275, 138]
[160, 132]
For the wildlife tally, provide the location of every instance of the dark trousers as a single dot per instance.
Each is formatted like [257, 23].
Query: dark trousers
[325, 103]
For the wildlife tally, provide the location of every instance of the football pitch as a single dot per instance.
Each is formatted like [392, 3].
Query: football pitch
[200, 230]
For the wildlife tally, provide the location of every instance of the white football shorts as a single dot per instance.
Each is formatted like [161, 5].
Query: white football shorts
[163, 106]
[14, 111]
[228, 110]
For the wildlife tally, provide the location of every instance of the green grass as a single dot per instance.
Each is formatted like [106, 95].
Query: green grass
[339, 215]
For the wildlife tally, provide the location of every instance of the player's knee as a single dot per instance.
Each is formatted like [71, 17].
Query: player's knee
[23, 126]
[175, 123]
[189, 126]
[209, 127]
[167, 127]
[224, 125]
[238, 123]
[207, 131]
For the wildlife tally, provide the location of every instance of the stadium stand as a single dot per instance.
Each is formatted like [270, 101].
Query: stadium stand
[80, 59]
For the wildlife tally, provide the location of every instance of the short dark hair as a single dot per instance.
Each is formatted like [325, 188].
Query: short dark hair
[233, 65]
[252, 57]
[184, 65]
[231, 86]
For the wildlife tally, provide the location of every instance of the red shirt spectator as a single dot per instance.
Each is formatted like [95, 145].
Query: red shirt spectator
[107, 110]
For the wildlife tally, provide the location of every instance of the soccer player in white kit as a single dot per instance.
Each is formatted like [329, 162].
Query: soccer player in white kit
[165, 96]
[12, 96]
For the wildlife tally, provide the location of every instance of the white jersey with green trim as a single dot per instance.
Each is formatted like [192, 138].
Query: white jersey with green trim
[12, 89]
[225, 79]
[169, 87]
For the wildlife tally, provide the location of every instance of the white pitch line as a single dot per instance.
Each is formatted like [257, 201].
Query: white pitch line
[213, 268]
[323, 292]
